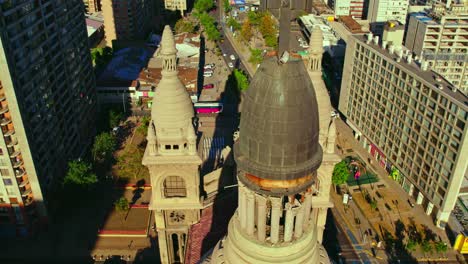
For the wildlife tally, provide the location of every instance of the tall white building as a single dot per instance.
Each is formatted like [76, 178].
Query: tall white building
[441, 38]
[354, 8]
[381, 11]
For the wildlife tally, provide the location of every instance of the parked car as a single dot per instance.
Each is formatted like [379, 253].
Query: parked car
[232, 57]
[208, 86]
[208, 71]
[208, 74]
[230, 65]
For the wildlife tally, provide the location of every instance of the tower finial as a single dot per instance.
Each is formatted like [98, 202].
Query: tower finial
[315, 50]
[168, 52]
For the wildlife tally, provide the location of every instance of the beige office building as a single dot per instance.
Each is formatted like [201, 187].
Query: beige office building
[175, 5]
[92, 6]
[441, 37]
[126, 19]
[408, 118]
[47, 104]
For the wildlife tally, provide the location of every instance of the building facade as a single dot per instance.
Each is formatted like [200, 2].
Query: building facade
[92, 6]
[354, 8]
[283, 194]
[410, 119]
[127, 19]
[441, 37]
[381, 11]
[297, 7]
[172, 159]
[176, 5]
[47, 104]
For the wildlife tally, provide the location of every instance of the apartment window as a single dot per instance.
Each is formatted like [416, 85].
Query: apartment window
[7, 181]
[4, 172]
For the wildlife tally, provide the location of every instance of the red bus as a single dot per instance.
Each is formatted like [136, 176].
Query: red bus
[208, 107]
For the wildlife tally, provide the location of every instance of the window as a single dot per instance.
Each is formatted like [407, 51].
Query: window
[4, 172]
[174, 186]
[167, 147]
[7, 181]
[175, 146]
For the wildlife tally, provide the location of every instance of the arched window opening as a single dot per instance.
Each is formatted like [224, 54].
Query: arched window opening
[174, 186]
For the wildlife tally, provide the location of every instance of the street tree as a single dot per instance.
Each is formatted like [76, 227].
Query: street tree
[182, 25]
[340, 173]
[79, 176]
[122, 206]
[254, 17]
[246, 31]
[256, 56]
[241, 80]
[209, 25]
[267, 26]
[104, 146]
[232, 22]
[227, 6]
[203, 5]
[426, 246]
[114, 118]
[271, 41]
[411, 245]
[441, 247]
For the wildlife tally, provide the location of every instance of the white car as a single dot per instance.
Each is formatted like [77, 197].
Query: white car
[230, 65]
[232, 57]
[207, 74]
[224, 54]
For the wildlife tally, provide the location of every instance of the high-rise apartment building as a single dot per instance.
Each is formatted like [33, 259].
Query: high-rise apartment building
[354, 8]
[410, 119]
[92, 6]
[47, 102]
[441, 38]
[126, 19]
[381, 11]
[175, 5]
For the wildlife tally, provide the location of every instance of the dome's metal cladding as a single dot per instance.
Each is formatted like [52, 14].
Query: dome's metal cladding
[278, 145]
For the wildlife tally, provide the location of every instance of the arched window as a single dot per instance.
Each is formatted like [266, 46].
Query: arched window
[174, 186]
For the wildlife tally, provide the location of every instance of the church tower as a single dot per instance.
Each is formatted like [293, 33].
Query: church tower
[172, 158]
[327, 132]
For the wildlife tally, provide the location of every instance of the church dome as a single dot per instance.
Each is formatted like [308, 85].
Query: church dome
[172, 106]
[279, 129]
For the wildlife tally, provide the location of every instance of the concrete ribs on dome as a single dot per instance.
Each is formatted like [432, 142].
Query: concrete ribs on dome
[279, 129]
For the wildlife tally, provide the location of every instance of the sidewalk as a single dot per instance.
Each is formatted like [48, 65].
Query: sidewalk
[393, 205]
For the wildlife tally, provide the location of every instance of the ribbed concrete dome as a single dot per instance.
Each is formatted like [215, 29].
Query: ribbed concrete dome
[172, 106]
[279, 126]
[167, 41]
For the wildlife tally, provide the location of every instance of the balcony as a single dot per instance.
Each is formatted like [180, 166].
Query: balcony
[3, 109]
[15, 154]
[4, 121]
[19, 173]
[25, 191]
[23, 183]
[2, 97]
[7, 133]
[11, 142]
[16, 163]
[29, 201]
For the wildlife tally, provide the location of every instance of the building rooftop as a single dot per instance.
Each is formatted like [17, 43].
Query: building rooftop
[187, 75]
[125, 65]
[436, 80]
[311, 21]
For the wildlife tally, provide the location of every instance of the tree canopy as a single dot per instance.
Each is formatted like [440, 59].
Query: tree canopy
[227, 6]
[79, 175]
[256, 56]
[232, 22]
[104, 146]
[340, 173]
[203, 5]
[122, 205]
[101, 56]
[209, 24]
[246, 31]
[184, 25]
[114, 118]
[241, 80]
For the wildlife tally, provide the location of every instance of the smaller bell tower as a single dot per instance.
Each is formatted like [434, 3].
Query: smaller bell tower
[172, 158]
[316, 50]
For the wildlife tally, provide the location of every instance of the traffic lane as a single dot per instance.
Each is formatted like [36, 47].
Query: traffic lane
[226, 48]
